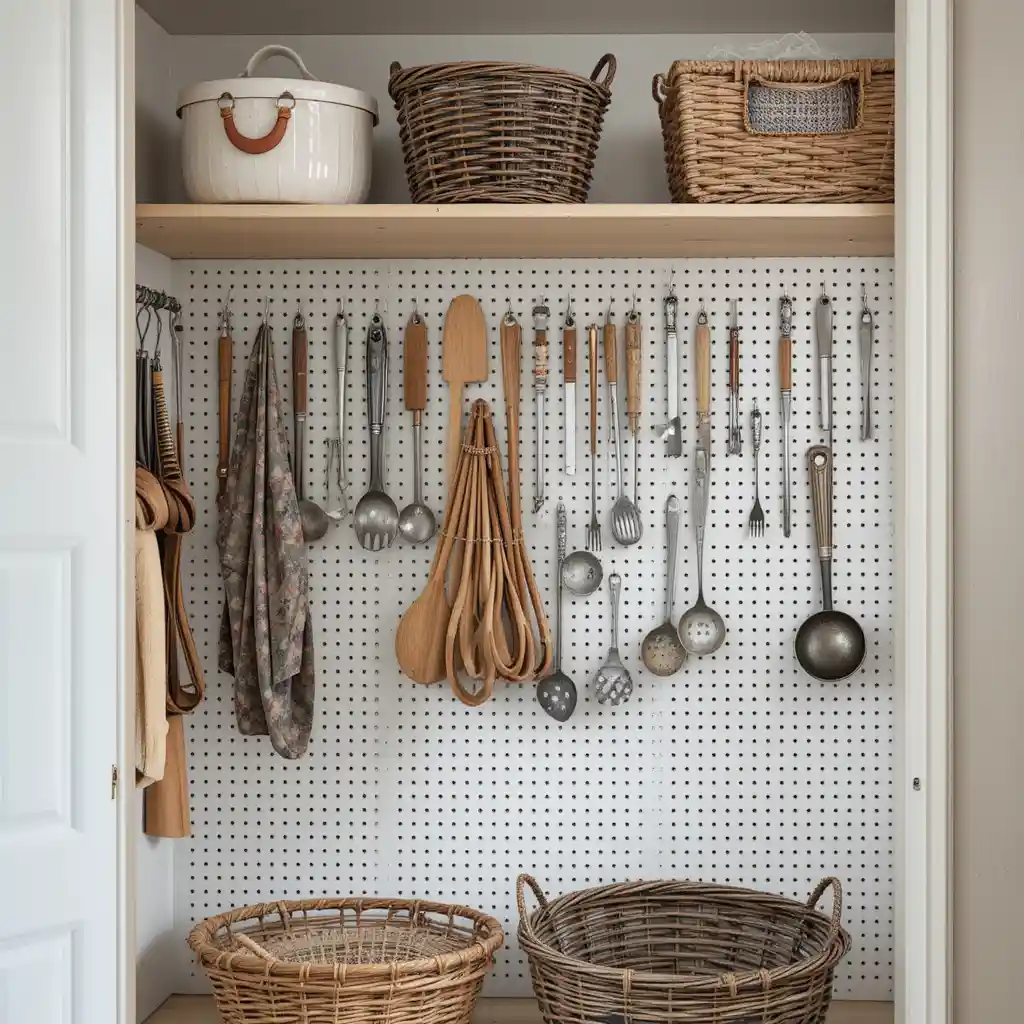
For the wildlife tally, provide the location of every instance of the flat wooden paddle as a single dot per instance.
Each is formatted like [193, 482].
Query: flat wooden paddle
[463, 361]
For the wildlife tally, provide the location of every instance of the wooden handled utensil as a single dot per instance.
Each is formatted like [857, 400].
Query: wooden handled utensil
[786, 387]
[416, 522]
[633, 399]
[463, 361]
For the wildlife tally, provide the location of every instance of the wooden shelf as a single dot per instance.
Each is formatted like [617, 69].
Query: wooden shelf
[514, 231]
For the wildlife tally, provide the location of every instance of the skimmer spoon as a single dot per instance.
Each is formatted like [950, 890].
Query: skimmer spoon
[662, 651]
[556, 693]
[613, 684]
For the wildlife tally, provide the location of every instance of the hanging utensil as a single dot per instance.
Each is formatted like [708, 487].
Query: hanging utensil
[556, 693]
[626, 525]
[376, 515]
[823, 337]
[786, 387]
[613, 684]
[177, 359]
[314, 519]
[225, 352]
[756, 523]
[142, 384]
[734, 445]
[337, 472]
[569, 384]
[830, 645]
[662, 652]
[463, 361]
[672, 431]
[594, 527]
[582, 573]
[867, 338]
[541, 315]
[416, 523]
[633, 398]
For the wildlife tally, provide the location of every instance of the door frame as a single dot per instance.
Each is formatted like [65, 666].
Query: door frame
[923, 516]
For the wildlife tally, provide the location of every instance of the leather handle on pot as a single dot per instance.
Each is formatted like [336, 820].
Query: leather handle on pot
[264, 144]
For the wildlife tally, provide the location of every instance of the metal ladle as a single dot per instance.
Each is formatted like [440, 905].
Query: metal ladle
[830, 645]
[556, 693]
[581, 573]
[662, 652]
[314, 518]
[701, 629]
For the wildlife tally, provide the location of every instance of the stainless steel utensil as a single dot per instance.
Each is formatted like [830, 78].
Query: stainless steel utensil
[556, 693]
[569, 385]
[734, 443]
[701, 629]
[337, 474]
[867, 339]
[416, 522]
[541, 315]
[613, 684]
[756, 522]
[672, 431]
[582, 573]
[823, 337]
[634, 401]
[662, 651]
[376, 516]
[786, 382]
[626, 526]
[594, 527]
[314, 519]
[830, 645]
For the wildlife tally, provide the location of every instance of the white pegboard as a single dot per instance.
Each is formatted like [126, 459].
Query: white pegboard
[740, 769]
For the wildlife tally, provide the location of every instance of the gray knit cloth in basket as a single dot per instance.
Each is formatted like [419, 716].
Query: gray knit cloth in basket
[780, 110]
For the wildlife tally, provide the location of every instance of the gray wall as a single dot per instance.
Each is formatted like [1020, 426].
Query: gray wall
[988, 473]
[630, 167]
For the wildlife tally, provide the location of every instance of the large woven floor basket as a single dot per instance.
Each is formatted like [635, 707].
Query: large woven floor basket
[347, 961]
[681, 952]
[500, 133]
[786, 131]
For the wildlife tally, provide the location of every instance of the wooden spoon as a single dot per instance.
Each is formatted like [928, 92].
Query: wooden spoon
[463, 361]
[420, 638]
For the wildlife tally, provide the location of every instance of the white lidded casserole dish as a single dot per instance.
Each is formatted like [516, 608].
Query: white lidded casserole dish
[276, 140]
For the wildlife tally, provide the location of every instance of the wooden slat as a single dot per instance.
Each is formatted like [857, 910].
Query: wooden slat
[200, 1010]
[513, 231]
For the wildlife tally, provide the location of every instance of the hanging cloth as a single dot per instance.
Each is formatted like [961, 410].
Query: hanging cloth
[266, 639]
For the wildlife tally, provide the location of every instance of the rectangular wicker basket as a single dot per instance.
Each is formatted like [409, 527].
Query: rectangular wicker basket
[787, 131]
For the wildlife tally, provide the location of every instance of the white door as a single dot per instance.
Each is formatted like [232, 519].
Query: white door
[61, 559]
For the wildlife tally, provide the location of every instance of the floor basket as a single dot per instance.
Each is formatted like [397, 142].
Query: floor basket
[681, 952]
[347, 961]
[787, 131]
[500, 133]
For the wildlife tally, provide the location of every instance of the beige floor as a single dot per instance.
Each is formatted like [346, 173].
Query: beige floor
[199, 1010]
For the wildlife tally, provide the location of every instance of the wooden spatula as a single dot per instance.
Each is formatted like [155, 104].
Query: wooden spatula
[463, 361]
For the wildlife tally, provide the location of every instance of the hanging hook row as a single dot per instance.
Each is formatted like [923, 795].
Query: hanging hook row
[150, 298]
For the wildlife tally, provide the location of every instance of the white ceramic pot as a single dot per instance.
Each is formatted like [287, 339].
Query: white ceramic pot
[276, 140]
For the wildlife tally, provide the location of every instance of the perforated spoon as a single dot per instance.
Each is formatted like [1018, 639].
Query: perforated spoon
[613, 684]
[662, 652]
[556, 693]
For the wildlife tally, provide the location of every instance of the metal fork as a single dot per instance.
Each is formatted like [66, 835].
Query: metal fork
[756, 513]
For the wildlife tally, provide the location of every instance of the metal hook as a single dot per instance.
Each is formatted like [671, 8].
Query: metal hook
[608, 315]
[864, 295]
[672, 283]
[143, 332]
[225, 312]
[510, 317]
[266, 309]
[376, 308]
[570, 320]
[159, 335]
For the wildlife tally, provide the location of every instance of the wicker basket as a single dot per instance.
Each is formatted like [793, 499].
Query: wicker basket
[788, 131]
[346, 961]
[681, 952]
[500, 133]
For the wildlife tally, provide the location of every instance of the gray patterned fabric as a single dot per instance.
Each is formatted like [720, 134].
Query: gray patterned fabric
[266, 638]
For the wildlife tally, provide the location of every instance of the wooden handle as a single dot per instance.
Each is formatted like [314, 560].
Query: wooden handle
[569, 355]
[734, 360]
[592, 367]
[300, 370]
[611, 354]
[786, 362]
[633, 355]
[702, 356]
[414, 384]
[454, 429]
[224, 352]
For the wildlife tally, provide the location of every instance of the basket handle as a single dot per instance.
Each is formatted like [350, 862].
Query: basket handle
[837, 902]
[255, 948]
[606, 63]
[860, 77]
[658, 90]
[521, 882]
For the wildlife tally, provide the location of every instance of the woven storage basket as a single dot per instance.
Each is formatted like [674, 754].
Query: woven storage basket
[681, 952]
[346, 961]
[500, 133]
[776, 131]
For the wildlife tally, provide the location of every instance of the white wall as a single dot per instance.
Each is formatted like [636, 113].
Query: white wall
[157, 174]
[988, 474]
[157, 955]
[630, 166]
